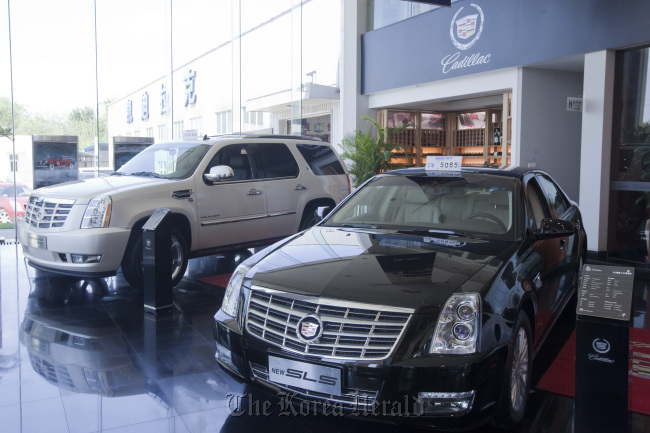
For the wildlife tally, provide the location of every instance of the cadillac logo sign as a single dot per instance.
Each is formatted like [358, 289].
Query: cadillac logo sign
[466, 30]
[309, 329]
[601, 345]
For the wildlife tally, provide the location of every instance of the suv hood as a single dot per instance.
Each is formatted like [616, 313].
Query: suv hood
[380, 267]
[85, 190]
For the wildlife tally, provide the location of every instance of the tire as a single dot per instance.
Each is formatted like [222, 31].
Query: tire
[133, 270]
[4, 216]
[516, 382]
[309, 219]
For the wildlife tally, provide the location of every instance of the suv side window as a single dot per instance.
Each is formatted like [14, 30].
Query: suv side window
[556, 199]
[321, 159]
[276, 160]
[236, 157]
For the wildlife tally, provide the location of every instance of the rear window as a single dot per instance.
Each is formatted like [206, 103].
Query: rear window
[321, 159]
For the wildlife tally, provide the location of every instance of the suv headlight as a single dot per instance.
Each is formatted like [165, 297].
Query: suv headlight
[233, 291]
[458, 325]
[98, 213]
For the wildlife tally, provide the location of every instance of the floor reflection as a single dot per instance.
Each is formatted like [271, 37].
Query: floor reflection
[82, 355]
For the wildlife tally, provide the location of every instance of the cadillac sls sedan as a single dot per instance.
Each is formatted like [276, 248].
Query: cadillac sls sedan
[423, 295]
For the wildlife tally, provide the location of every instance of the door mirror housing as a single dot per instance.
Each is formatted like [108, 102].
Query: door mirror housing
[219, 173]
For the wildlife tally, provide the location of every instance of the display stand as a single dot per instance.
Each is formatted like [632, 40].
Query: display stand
[602, 352]
[157, 261]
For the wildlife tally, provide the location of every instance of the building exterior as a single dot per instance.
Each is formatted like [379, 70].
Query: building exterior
[565, 82]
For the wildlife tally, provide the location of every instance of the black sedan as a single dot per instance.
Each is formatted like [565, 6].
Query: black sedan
[423, 296]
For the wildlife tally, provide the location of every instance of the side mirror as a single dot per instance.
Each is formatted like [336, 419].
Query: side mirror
[555, 228]
[323, 211]
[219, 173]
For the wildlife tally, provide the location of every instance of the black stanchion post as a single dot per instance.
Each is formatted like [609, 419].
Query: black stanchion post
[157, 262]
[602, 352]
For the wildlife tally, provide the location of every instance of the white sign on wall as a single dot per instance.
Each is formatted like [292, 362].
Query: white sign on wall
[573, 103]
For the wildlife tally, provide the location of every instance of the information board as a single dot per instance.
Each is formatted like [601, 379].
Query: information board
[606, 291]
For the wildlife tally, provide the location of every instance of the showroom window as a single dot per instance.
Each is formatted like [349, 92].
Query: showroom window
[196, 123]
[630, 161]
[149, 132]
[162, 132]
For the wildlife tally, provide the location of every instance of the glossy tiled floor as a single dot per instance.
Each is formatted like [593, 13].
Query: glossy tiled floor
[82, 356]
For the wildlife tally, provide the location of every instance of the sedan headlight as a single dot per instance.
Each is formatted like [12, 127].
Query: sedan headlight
[98, 213]
[233, 291]
[458, 325]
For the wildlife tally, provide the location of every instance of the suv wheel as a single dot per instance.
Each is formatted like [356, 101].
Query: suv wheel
[309, 219]
[132, 267]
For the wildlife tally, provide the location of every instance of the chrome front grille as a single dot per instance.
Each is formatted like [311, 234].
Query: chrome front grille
[47, 213]
[350, 330]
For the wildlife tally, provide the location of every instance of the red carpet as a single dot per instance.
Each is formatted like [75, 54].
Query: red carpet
[560, 376]
[220, 280]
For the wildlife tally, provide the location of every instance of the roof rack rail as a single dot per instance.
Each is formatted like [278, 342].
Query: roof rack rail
[284, 137]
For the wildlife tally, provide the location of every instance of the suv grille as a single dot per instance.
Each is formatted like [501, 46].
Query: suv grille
[350, 330]
[47, 213]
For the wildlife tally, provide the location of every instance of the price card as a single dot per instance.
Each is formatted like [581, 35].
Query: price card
[444, 163]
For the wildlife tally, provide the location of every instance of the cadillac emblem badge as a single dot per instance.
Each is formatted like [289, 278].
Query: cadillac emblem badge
[309, 329]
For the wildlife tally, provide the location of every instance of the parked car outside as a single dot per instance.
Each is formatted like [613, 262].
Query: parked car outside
[424, 295]
[12, 201]
[62, 161]
[224, 193]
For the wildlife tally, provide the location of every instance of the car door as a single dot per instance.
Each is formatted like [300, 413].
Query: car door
[232, 212]
[544, 262]
[560, 207]
[282, 185]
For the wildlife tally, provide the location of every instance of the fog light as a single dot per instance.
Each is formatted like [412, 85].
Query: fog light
[436, 403]
[80, 258]
[224, 355]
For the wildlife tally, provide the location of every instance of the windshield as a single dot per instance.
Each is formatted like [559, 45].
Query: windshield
[476, 205]
[171, 160]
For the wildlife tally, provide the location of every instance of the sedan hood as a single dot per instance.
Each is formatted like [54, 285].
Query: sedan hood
[85, 190]
[380, 267]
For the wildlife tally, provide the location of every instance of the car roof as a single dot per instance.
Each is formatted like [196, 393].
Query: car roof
[515, 172]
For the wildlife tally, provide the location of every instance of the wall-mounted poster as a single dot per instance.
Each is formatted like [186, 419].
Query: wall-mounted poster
[125, 148]
[55, 159]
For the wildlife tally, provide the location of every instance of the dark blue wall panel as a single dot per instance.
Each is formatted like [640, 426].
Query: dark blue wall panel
[507, 33]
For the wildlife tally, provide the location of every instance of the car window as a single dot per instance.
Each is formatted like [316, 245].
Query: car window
[321, 159]
[276, 160]
[236, 157]
[556, 199]
[535, 206]
[477, 204]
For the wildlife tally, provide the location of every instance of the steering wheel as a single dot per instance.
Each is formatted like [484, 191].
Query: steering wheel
[490, 217]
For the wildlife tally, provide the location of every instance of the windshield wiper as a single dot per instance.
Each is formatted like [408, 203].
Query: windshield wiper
[357, 226]
[148, 174]
[423, 232]
[118, 173]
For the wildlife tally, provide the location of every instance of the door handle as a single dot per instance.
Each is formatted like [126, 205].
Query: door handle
[562, 244]
[254, 191]
[299, 187]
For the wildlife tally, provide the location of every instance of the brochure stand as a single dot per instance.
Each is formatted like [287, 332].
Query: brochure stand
[602, 352]
[157, 261]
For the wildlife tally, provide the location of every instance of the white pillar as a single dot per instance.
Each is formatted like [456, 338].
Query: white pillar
[353, 104]
[596, 148]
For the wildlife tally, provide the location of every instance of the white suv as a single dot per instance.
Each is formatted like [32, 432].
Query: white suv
[224, 193]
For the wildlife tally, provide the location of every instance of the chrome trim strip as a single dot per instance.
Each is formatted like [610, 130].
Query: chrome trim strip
[248, 218]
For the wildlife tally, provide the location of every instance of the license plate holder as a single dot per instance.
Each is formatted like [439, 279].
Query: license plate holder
[36, 241]
[313, 377]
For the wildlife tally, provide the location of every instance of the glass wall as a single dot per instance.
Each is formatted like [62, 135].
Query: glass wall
[382, 13]
[630, 169]
[77, 79]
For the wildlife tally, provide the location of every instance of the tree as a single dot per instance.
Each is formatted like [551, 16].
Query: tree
[368, 154]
